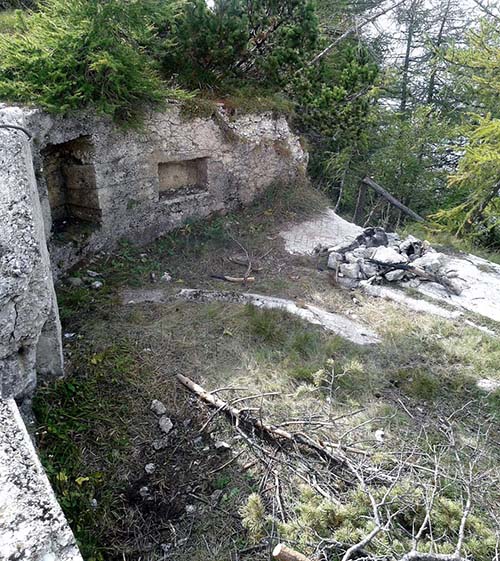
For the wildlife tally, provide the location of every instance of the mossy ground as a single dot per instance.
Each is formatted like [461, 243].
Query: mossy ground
[96, 429]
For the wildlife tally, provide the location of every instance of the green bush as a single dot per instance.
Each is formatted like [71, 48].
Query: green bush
[82, 53]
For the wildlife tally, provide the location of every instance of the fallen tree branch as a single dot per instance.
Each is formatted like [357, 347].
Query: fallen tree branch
[443, 280]
[388, 197]
[243, 418]
[245, 263]
[233, 279]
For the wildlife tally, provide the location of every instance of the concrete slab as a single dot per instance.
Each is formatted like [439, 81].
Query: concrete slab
[32, 524]
[328, 229]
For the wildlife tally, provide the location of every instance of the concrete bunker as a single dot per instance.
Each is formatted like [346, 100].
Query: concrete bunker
[71, 184]
[182, 176]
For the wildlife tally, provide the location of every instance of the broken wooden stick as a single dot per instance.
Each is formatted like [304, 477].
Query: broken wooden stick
[241, 417]
[233, 279]
[283, 553]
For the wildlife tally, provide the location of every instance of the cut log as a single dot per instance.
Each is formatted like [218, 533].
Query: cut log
[283, 553]
[388, 197]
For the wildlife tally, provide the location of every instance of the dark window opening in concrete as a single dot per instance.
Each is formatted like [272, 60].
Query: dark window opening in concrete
[71, 185]
[184, 176]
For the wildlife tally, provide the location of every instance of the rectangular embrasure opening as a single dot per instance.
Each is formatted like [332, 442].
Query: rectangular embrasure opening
[71, 184]
[183, 176]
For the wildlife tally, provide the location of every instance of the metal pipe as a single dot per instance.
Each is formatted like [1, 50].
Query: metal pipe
[19, 128]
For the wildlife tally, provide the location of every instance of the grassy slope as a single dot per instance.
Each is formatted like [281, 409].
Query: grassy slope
[96, 429]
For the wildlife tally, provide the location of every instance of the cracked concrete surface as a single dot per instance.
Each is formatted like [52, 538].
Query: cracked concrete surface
[32, 524]
[30, 338]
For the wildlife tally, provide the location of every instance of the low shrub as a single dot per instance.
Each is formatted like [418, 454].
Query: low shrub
[69, 55]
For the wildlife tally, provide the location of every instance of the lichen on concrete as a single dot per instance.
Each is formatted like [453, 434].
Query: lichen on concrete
[32, 524]
[29, 323]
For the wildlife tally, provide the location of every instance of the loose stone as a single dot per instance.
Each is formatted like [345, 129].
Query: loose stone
[158, 407]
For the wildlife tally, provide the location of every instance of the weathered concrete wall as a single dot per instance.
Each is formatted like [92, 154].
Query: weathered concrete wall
[30, 338]
[32, 525]
[83, 183]
[139, 184]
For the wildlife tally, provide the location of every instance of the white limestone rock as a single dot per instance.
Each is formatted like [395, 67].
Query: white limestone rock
[368, 269]
[165, 424]
[396, 275]
[431, 262]
[350, 270]
[389, 256]
[334, 260]
[158, 407]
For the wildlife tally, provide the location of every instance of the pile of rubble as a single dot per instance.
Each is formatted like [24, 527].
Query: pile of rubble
[375, 256]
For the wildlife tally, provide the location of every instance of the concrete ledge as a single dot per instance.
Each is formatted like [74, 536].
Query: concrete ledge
[32, 524]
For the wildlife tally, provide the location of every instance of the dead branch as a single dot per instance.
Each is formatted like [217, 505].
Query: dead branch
[443, 280]
[247, 255]
[352, 30]
[283, 553]
[391, 199]
[245, 263]
[241, 417]
[233, 279]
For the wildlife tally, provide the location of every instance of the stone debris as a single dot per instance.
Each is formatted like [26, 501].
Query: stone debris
[488, 385]
[158, 407]
[477, 279]
[375, 256]
[165, 424]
